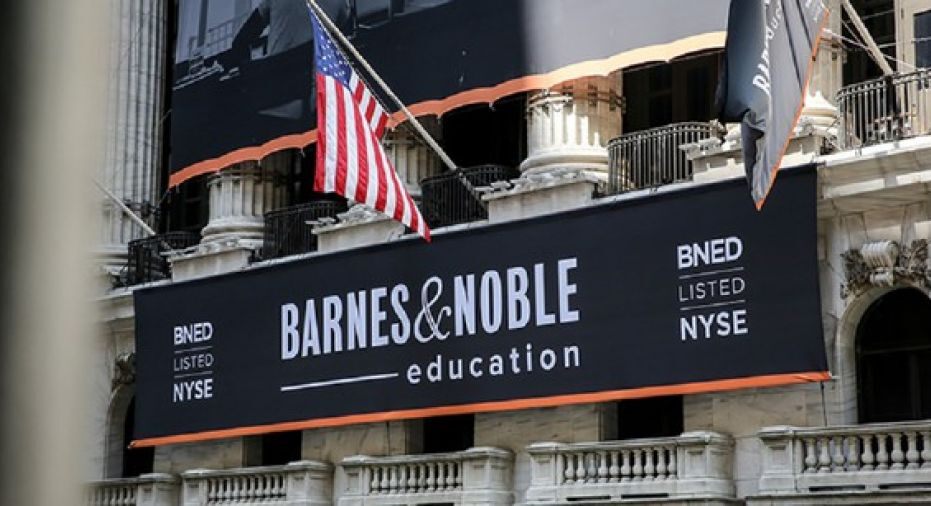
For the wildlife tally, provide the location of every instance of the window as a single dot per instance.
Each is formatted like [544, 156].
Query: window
[660, 94]
[279, 448]
[482, 134]
[894, 358]
[879, 18]
[448, 433]
[186, 206]
[923, 39]
[274, 449]
[653, 417]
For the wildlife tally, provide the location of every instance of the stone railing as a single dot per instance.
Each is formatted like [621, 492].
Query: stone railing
[474, 476]
[847, 458]
[695, 465]
[303, 483]
[147, 490]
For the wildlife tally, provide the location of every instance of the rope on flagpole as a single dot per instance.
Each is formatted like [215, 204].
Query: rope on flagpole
[330, 27]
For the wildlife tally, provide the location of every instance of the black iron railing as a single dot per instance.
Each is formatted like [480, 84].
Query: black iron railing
[287, 231]
[651, 158]
[884, 109]
[147, 262]
[447, 201]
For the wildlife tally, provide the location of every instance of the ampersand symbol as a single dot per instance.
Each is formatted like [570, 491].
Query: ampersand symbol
[426, 315]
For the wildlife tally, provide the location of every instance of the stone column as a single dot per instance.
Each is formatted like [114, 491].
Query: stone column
[569, 126]
[240, 196]
[827, 73]
[134, 122]
[412, 158]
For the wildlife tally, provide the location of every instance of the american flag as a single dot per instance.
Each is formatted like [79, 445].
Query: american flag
[350, 122]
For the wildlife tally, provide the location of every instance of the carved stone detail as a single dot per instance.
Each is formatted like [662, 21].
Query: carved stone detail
[124, 370]
[886, 263]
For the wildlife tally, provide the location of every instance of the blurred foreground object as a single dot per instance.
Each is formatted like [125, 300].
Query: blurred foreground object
[53, 95]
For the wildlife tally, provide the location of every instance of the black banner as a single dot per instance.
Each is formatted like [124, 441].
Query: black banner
[243, 69]
[679, 293]
[769, 51]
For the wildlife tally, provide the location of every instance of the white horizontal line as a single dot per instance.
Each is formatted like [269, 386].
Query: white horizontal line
[715, 304]
[339, 381]
[711, 273]
[193, 374]
[191, 350]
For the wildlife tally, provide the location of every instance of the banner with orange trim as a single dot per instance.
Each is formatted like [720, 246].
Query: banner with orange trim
[672, 294]
[243, 82]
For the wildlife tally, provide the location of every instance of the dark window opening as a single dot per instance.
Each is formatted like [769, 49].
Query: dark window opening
[487, 135]
[187, 206]
[923, 39]
[280, 448]
[879, 18]
[653, 417]
[448, 433]
[894, 358]
[659, 94]
[136, 461]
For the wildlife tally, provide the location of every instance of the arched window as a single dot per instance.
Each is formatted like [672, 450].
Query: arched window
[894, 358]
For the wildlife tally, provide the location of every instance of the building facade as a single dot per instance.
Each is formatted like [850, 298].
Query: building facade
[641, 132]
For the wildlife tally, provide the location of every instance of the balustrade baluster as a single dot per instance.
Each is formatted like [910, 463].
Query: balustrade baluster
[580, 470]
[442, 475]
[853, 453]
[602, 467]
[422, 477]
[614, 470]
[882, 453]
[637, 470]
[867, 457]
[402, 481]
[431, 476]
[912, 456]
[810, 459]
[570, 467]
[925, 450]
[898, 456]
[824, 457]
[239, 487]
[385, 479]
[453, 477]
[591, 468]
[838, 459]
[458, 475]
[671, 468]
[648, 467]
[625, 467]
[661, 463]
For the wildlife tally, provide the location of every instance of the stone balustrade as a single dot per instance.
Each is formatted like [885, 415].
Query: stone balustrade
[473, 476]
[303, 483]
[695, 465]
[147, 490]
[867, 457]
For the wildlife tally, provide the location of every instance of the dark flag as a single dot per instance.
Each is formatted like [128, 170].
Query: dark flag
[768, 54]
